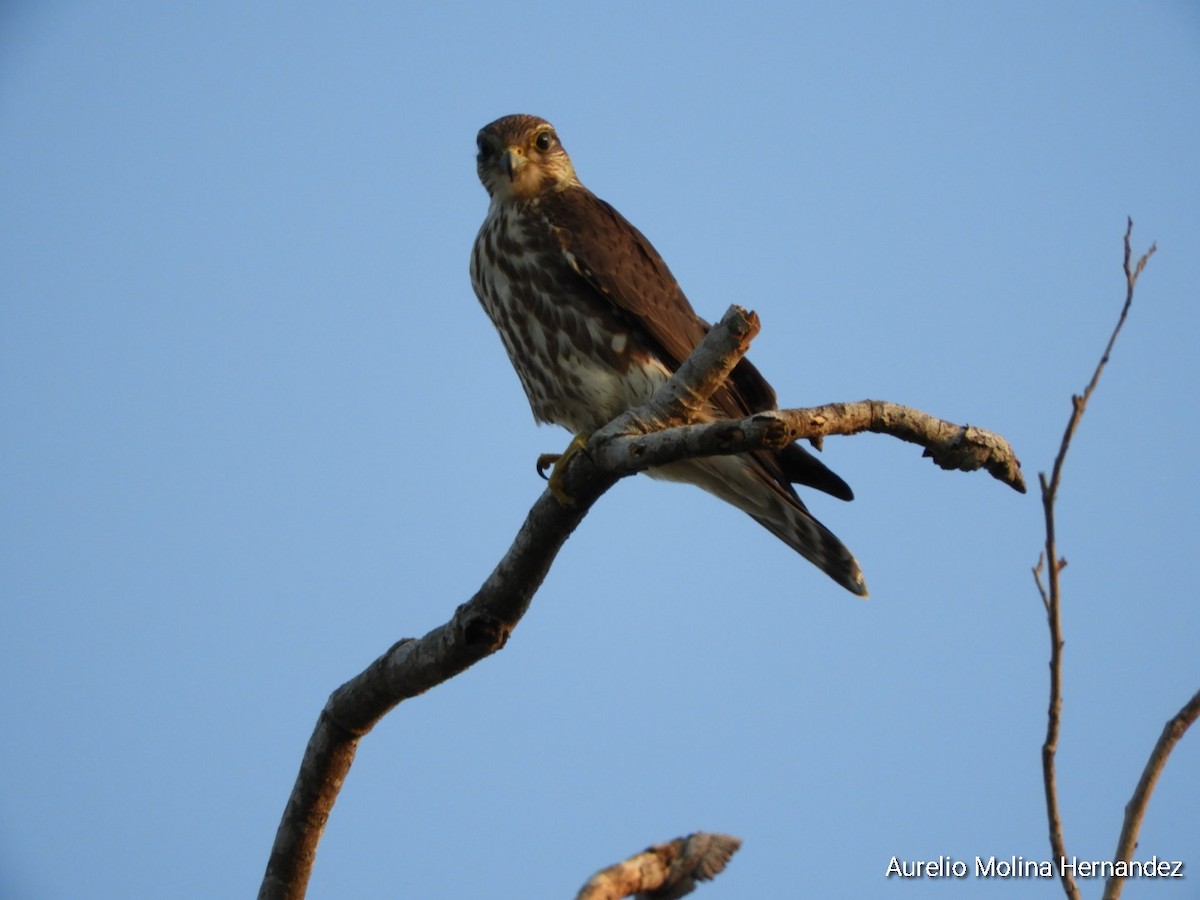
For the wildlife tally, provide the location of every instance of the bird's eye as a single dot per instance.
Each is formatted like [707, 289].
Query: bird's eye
[485, 149]
[544, 141]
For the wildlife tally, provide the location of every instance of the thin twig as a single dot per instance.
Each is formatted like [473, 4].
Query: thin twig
[1051, 594]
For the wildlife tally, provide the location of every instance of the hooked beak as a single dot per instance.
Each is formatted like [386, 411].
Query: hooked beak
[512, 162]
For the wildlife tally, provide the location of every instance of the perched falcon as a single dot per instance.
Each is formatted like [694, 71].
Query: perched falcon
[594, 321]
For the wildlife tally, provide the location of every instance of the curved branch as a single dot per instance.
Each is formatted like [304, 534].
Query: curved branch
[664, 871]
[481, 626]
[478, 628]
[961, 447]
[1135, 810]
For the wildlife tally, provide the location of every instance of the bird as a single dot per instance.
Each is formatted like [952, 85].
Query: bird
[593, 322]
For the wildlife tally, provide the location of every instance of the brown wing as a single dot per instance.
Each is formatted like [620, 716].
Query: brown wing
[619, 262]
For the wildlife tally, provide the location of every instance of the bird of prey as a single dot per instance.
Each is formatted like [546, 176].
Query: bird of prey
[594, 321]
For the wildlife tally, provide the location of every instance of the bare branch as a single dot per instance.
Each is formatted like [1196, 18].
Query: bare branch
[1079, 401]
[1037, 579]
[706, 369]
[478, 628]
[481, 626]
[664, 871]
[1135, 810]
[1051, 594]
[961, 447]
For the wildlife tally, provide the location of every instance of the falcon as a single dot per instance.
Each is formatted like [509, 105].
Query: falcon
[594, 322]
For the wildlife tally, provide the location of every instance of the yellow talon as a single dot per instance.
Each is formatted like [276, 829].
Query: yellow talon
[557, 463]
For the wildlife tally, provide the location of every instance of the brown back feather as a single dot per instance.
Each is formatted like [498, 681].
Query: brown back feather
[620, 263]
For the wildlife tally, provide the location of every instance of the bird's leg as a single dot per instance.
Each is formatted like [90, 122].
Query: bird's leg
[557, 463]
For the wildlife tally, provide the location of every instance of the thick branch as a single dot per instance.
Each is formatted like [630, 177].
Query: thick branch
[481, 626]
[1051, 591]
[664, 871]
[478, 628]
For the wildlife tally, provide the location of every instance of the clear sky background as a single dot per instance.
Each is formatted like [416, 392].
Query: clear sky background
[255, 428]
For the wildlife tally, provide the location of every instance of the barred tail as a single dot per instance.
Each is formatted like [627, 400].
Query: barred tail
[820, 546]
[739, 482]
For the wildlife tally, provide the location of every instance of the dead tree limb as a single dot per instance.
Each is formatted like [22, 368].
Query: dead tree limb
[481, 626]
[1135, 809]
[478, 628]
[664, 871]
[1053, 564]
[961, 447]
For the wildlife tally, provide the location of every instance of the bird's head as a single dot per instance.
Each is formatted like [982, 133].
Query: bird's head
[520, 158]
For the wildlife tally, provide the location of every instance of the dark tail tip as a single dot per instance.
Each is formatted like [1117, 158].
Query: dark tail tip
[801, 467]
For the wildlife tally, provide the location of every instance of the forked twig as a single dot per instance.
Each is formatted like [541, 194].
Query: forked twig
[1053, 564]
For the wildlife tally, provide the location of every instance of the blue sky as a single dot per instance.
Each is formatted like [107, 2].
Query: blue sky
[256, 428]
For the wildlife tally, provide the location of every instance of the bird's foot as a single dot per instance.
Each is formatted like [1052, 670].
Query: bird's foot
[557, 463]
